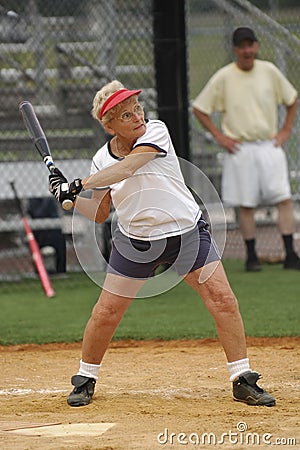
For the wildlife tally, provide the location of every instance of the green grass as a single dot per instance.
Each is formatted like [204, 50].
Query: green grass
[269, 302]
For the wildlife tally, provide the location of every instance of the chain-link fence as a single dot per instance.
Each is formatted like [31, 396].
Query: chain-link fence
[58, 54]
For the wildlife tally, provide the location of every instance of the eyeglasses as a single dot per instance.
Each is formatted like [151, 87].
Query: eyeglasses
[128, 115]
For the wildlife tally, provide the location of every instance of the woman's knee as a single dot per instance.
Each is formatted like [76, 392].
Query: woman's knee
[108, 312]
[222, 302]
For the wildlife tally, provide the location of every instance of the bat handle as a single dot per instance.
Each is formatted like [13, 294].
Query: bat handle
[67, 205]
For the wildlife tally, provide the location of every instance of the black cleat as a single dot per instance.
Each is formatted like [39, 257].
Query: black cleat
[253, 265]
[83, 391]
[246, 390]
[292, 262]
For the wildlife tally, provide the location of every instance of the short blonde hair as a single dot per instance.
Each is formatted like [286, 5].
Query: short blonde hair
[101, 96]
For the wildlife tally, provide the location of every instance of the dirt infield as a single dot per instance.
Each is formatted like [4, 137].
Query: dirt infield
[152, 395]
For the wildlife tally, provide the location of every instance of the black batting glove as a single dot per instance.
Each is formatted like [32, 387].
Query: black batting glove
[59, 186]
[61, 189]
[62, 192]
[76, 186]
[56, 178]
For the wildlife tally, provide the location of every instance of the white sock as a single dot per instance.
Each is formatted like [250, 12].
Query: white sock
[89, 370]
[237, 368]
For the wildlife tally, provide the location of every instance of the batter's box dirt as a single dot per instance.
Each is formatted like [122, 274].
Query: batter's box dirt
[150, 395]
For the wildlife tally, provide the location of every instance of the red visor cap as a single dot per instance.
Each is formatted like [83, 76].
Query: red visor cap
[116, 98]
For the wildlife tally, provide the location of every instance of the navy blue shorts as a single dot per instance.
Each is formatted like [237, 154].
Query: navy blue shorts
[134, 258]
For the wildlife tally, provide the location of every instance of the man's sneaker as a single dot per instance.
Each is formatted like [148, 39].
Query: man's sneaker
[253, 265]
[83, 391]
[292, 262]
[246, 390]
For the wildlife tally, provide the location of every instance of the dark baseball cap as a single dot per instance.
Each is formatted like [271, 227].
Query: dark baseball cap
[242, 34]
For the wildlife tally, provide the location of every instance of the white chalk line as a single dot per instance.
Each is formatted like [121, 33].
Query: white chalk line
[167, 393]
[15, 391]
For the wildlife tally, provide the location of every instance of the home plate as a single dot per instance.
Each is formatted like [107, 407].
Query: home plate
[69, 429]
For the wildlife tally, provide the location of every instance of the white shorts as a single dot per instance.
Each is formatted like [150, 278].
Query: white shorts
[256, 174]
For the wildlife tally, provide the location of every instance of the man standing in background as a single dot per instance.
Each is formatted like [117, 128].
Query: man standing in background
[247, 93]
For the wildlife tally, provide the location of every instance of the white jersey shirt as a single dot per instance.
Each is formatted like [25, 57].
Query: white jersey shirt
[247, 100]
[154, 203]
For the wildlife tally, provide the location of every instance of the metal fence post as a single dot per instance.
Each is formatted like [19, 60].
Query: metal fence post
[171, 70]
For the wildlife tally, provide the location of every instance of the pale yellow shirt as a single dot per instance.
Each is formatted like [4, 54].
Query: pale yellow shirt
[247, 100]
